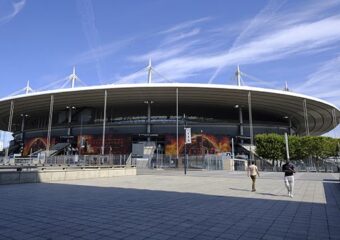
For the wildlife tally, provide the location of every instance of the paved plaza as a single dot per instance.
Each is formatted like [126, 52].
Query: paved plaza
[163, 204]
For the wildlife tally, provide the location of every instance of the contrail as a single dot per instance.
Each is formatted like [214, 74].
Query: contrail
[90, 30]
[263, 16]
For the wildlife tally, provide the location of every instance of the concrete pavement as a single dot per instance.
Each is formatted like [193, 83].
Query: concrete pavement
[168, 205]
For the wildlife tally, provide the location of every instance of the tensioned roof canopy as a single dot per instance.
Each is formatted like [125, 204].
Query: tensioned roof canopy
[322, 116]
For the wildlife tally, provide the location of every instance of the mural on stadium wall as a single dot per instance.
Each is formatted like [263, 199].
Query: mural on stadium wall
[200, 144]
[114, 144]
[122, 144]
[34, 144]
[85, 144]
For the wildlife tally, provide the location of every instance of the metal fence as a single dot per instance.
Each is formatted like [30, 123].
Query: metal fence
[199, 162]
[78, 160]
[330, 165]
[208, 162]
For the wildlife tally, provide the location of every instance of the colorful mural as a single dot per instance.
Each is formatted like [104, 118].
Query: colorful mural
[200, 144]
[114, 144]
[34, 144]
[122, 144]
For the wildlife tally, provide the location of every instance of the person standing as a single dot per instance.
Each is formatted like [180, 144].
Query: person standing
[289, 169]
[252, 172]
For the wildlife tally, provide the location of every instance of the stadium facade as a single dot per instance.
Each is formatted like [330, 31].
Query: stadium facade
[109, 119]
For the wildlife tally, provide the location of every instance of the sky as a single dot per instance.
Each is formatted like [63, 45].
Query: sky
[191, 41]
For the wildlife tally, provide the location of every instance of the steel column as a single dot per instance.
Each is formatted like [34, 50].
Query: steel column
[9, 128]
[305, 114]
[250, 126]
[104, 122]
[177, 124]
[49, 128]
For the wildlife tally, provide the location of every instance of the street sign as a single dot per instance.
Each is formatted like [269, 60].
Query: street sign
[187, 135]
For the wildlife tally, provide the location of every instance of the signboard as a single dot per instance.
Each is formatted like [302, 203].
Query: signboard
[148, 135]
[187, 135]
[66, 137]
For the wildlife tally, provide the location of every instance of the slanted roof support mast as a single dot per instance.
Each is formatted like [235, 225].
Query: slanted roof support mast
[73, 77]
[238, 75]
[28, 89]
[149, 67]
[286, 86]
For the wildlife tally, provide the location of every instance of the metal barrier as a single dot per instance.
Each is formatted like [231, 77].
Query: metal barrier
[207, 162]
[78, 160]
[307, 166]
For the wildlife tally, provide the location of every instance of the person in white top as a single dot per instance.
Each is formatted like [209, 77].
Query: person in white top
[252, 172]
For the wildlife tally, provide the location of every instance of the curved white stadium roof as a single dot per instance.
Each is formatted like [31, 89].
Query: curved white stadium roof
[322, 116]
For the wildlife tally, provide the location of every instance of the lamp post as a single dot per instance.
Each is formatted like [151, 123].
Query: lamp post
[251, 133]
[185, 147]
[187, 141]
[69, 108]
[202, 147]
[287, 147]
[240, 113]
[148, 128]
[23, 117]
[290, 124]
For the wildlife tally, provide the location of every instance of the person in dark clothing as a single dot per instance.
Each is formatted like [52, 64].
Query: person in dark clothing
[289, 170]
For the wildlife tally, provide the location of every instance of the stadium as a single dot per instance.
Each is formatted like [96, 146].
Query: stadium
[122, 118]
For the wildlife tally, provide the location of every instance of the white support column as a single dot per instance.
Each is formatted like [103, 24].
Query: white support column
[104, 122]
[305, 114]
[148, 128]
[241, 120]
[10, 120]
[287, 146]
[250, 126]
[232, 148]
[73, 77]
[335, 123]
[238, 75]
[49, 128]
[149, 72]
[28, 89]
[69, 121]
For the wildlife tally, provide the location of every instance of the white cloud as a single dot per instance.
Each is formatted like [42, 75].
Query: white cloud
[324, 82]
[162, 53]
[14, 8]
[282, 43]
[101, 51]
[87, 15]
[185, 25]
[181, 36]
[255, 25]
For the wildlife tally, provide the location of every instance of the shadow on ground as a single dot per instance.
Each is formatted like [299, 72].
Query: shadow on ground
[61, 211]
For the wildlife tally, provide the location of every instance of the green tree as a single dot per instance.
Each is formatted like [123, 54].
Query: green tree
[295, 148]
[270, 146]
[305, 146]
[319, 148]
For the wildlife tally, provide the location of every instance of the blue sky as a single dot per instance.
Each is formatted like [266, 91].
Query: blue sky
[274, 42]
